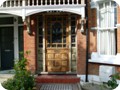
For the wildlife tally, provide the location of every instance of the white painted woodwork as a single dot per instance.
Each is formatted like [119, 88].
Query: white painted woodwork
[44, 62]
[25, 8]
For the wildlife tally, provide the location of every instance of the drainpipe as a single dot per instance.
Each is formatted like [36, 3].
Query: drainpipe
[87, 40]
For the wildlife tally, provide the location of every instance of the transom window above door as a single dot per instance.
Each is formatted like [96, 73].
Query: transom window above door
[56, 32]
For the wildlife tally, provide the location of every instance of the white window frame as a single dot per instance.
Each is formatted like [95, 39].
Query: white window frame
[100, 29]
[95, 56]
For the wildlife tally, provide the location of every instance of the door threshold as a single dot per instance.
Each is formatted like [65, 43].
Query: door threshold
[57, 73]
[11, 71]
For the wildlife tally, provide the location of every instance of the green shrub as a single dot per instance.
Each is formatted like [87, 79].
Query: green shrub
[23, 79]
[113, 82]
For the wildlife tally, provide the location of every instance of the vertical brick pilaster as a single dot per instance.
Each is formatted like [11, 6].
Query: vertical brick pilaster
[30, 44]
[118, 31]
[81, 50]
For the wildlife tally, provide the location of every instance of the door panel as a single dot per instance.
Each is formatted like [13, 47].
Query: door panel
[7, 51]
[57, 44]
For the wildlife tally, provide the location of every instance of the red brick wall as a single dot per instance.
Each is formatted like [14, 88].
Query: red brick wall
[81, 41]
[30, 44]
[81, 45]
[118, 32]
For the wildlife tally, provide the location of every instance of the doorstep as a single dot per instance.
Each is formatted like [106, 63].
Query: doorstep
[57, 78]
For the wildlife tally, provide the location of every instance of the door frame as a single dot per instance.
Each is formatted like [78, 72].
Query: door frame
[44, 41]
[15, 26]
[68, 43]
[42, 69]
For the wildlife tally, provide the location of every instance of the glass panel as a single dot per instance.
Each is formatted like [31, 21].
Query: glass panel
[40, 31]
[73, 45]
[40, 39]
[101, 6]
[40, 46]
[59, 19]
[64, 30]
[73, 30]
[73, 18]
[54, 45]
[20, 35]
[64, 22]
[113, 4]
[6, 20]
[53, 19]
[48, 45]
[48, 39]
[64, 45]
[40, 24]
[48, 32]
[73, 23]
[73, 39]
[59, 45]
[56, 33]
[64, 39]
[20, 20]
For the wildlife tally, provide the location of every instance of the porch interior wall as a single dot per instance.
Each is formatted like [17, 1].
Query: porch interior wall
[81, 51]
[30, 44]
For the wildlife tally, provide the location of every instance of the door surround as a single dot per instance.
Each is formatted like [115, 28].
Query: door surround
[57, 43]
[15, 26]
[41, 52]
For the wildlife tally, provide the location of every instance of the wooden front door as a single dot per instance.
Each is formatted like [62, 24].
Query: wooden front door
[57, 44]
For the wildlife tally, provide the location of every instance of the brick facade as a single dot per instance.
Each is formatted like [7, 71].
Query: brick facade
[118, 32]
[81, 47]
[31, 45]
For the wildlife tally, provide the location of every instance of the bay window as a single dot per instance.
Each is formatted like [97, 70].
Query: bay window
[107, 18]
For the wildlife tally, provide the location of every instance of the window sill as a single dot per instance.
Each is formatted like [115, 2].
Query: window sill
[105, 59]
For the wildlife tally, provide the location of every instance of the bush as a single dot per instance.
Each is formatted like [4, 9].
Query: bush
[23, 79]
[112, 83]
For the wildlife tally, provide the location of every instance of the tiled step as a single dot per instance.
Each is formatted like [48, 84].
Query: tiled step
[58, 86]
[57, 79]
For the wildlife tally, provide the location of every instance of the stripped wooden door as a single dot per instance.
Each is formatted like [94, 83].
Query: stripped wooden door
[57, 44]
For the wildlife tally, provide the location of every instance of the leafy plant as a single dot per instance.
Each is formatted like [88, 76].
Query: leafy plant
[23, 79]
[113, 82]
[117, 75]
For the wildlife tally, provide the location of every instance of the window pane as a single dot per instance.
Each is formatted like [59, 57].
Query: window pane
[20, 20]
[101, 6]
[20, 36]
[107, 19]
[6, 20]
[56, 33]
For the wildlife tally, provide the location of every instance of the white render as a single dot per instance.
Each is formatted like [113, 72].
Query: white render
[106, 59]
[105, 72]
